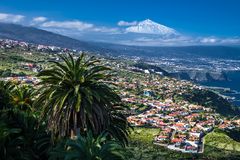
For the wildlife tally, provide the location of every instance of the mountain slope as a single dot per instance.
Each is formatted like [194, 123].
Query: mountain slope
[38, 36]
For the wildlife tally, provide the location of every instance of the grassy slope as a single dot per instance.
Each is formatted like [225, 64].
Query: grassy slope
[222, 141]
[219, 145]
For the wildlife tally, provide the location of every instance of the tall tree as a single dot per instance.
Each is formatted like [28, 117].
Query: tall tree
[75, 98]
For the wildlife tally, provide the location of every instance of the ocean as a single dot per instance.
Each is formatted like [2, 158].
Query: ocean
[233, 84]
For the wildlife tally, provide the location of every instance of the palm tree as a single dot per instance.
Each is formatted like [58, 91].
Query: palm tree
[88, 148]
[22, 97]
[75, 98]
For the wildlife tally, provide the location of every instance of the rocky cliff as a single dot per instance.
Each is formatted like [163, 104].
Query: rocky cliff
[200, 76]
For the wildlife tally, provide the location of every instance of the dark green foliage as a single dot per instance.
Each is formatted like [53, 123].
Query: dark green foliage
[88, 147]
[22, 97]
[16, 58]
[6, 73]
[18, 97]
[233, 133]
[9, 73]
[5, 97]
[22, 137]
[210, 99]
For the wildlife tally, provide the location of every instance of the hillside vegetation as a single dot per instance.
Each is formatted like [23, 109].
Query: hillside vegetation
[217, 146]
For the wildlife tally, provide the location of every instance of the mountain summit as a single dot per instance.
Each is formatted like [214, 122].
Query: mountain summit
[150, 27]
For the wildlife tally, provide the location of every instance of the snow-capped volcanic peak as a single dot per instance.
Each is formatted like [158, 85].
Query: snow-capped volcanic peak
[149, 27]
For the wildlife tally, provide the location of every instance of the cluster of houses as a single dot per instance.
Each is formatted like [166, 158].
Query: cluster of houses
[182, 125]
[31, 67]
[9, 44]
[22, 79]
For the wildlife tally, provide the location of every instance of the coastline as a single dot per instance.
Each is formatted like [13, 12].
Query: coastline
[228, 89]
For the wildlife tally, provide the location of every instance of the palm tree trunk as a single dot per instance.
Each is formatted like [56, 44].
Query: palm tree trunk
[72, 134]
[74, 130]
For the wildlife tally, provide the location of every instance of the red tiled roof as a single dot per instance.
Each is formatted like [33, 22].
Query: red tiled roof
[175, 140]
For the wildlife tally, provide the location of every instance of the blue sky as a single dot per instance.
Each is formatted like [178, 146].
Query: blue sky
[195, 18]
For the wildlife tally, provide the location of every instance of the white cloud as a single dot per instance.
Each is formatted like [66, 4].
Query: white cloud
[230, 41]
[125, 23]
[179, 40]
[75, 28]
[106, 30]
[39, 19]
[11, 18]
[219, 41]
[209, 40]
[78, 25]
